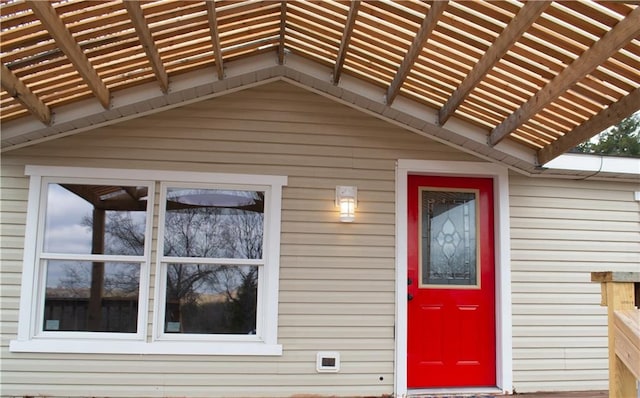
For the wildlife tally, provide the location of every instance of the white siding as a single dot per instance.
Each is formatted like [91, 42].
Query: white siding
[561, 231]
[337, 280]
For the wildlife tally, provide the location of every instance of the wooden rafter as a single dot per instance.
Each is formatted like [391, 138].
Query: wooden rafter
[47, 15]
[623, 32]
[609, 116]
[428, 24]
[148, 44]
[283, 26]
[215, 37]
[18, 90]
[346, 39]
[511, 33]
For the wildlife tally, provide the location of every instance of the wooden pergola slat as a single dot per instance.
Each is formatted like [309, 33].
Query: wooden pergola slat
[611, 42]
[609, 116]
[148, 44]
[18, 90]
[63, 38]
[527, 71]
[283, 27]
[428, 24]
[346, 39]
[215, 37]
[511, 33]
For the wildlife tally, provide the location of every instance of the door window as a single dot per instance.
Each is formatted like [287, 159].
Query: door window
[448, 238]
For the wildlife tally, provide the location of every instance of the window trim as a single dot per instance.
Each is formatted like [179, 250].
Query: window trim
[42, 256]
[29, 340]
[163, 261]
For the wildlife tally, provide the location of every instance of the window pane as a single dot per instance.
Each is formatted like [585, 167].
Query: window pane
[213, 223]
[448, 240]
[211, 299]
[95, 219]
[91, 296]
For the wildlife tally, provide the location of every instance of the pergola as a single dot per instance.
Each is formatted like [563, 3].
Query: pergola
[517, 82]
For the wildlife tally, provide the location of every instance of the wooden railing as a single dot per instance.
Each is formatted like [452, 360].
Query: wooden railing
[620, 291]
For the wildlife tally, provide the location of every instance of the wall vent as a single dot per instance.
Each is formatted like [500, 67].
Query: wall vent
[328, 362]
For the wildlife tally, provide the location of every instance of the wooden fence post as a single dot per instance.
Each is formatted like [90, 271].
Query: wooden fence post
[619, 296]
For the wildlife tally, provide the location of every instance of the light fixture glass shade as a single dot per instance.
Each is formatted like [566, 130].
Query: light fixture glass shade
[347, 209]
[347, 201]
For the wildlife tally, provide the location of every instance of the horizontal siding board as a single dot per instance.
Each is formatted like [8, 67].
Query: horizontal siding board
[375, 388]
[337, 286]
[563, 214]
[599, 193]
[345, 297]
[527, 225]
[306, 273]
[329, 262]
[591, 235]
[572, 204]
[337, 308]
[560, 256]
[556, 364]
[558, 320]
[576, 246]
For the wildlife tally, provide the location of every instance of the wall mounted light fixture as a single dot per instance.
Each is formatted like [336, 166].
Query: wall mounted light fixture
[347, 200]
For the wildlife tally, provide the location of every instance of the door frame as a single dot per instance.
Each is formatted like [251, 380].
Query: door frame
[500, 176]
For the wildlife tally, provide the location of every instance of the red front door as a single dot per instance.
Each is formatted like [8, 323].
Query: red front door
[451, 308]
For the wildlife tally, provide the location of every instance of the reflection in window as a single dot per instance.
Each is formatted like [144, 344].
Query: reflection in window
[84, 221]
[211, 223]
[91, 296]
[212, 299]
[448, 238]
[218, 296]
[95, 219]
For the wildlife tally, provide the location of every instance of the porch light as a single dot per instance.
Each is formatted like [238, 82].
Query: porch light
[347, 200]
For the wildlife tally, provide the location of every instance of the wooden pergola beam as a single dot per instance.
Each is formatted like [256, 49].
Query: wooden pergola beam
[215, 37]
[428, 24]
[148, 44]
[606, 118]
[346, 39]
[622, 33]
[283, 26]
[18, 90]
[49, 18]
[527, 15]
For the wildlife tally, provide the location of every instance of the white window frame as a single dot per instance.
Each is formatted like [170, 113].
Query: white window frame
[30, 339]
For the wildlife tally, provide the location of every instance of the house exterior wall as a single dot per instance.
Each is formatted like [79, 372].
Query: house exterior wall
[336, 280]
[561, 231]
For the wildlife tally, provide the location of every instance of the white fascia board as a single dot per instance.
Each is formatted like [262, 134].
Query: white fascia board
[595, 163]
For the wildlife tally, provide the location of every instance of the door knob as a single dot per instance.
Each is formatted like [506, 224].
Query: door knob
[409, 281]
[409, 296]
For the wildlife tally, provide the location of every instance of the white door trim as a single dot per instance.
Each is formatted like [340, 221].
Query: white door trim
[500, 177]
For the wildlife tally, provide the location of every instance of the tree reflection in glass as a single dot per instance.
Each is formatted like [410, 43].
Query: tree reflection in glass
[86, 221]
[214, 224]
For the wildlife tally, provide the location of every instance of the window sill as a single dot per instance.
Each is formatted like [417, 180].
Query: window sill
[139, 347]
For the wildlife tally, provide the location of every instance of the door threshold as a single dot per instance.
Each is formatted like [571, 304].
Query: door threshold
[479, 392]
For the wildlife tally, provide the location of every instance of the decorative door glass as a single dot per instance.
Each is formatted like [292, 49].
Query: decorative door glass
[448, 238]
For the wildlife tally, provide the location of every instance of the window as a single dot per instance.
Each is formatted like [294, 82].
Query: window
[88, 261]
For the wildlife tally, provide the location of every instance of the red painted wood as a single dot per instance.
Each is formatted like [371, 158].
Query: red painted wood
[451, 332]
